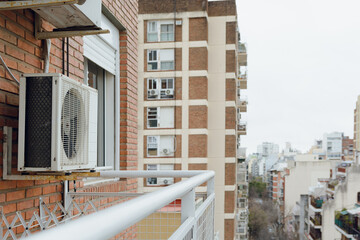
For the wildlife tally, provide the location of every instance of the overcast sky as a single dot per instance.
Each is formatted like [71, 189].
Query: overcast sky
[303, 69]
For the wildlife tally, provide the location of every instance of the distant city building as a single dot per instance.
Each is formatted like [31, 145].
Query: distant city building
[267, 148]
[347, 149]
[332, 145]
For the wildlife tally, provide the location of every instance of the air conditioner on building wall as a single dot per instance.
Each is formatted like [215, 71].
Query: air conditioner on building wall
[57, 124]
[153, 92]
[169, 92]
[167, 151]
[165, 181]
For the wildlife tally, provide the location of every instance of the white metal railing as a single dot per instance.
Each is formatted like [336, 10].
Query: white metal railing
[195, 221]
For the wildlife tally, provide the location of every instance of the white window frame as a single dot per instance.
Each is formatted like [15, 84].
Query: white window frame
[159, 181]
[154, 141]
[158, 87]
[153, 114]
[106, 136]
[157, 31]
[157, 59]
[150, 143]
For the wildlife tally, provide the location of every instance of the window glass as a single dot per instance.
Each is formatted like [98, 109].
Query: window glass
[96, 80]
[152, 117]
[168, 65]
[152, 34]
[152, 146]
[167, 32]
[152, 60]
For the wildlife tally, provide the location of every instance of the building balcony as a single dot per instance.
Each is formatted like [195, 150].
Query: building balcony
[172, 212]
[241, 153]
[242, 54]
[316, 220]
[242, 103]
[316, 202]
[242, 81]
[332, 184]
[347, 222]
[315, 234]
[241, 127]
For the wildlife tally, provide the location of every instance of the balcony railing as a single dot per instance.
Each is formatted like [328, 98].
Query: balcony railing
[347, 224]
[173, 212]
[241, 47]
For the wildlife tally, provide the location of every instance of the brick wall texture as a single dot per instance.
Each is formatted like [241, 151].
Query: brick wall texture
[198, 29]
[198, 58]
[198, 88]
[198, 116]
[24, 54]
[197, 146]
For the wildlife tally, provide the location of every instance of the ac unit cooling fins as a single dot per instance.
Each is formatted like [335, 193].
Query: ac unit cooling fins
[57, 124]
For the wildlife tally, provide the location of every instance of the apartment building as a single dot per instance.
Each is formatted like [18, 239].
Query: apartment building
[28, 45]
[267, 148]
[334, 205]
[189, 98]
[356, 142]
[332, 145]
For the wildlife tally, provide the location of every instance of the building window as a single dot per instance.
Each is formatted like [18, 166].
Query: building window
[160, 31]
[160, 181]
[160, 146]
[167, 32]
[160, 117]
[104, 82]
[162, 59]
[152, 116]
[358, 197]
[162, 88]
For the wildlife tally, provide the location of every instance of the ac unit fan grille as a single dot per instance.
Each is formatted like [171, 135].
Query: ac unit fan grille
[38, 122]
[74, 116]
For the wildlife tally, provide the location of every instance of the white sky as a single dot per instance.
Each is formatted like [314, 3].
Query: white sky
[303, 69]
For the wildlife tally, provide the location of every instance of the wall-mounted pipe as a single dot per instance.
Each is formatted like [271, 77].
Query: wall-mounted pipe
[46, 55]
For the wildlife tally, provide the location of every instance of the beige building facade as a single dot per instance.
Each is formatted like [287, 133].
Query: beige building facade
[188, 78]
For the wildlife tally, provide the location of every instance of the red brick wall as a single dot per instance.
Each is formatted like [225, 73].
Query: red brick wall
[198, 116]
[23, 54]
[197, 146]
[198, 88]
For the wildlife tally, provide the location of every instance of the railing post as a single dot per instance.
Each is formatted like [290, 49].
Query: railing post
[188, 209]
[211, 186]
[188, 205]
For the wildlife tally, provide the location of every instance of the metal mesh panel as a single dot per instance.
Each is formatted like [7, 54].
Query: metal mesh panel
[74, 122]
[161, 224]
[205, 223]
[38, 122]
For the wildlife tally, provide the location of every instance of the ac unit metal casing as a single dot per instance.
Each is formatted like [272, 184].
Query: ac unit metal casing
[153, 92]
[169, 92]
[166, 181]
[57, 124]
[87, 14]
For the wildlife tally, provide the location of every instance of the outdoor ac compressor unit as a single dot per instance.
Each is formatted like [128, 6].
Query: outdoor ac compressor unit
[57, 124]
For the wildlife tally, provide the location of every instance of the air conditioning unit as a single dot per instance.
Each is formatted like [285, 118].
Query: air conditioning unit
[165, 181]
[85, 14]
[166, 151]
[153, 92]
[169, 92]
[57, 124]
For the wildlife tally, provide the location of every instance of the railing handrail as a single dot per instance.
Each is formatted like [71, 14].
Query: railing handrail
[111, 221]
